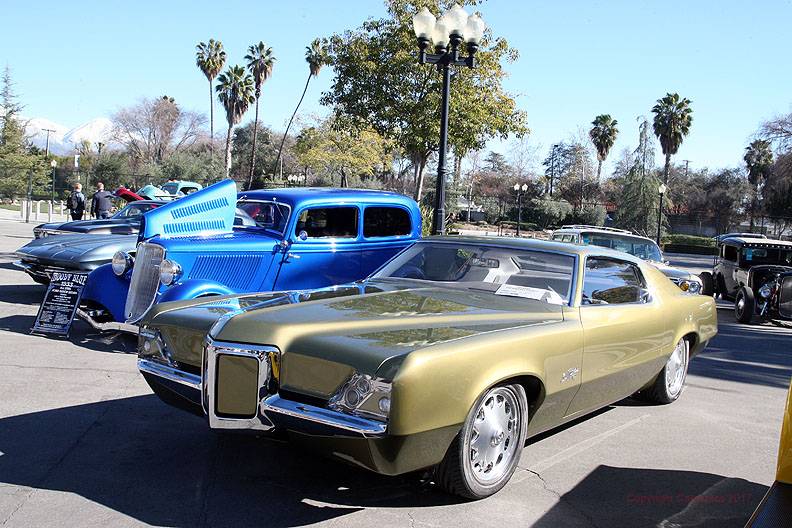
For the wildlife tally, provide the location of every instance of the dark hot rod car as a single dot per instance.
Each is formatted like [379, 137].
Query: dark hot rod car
[757, 274]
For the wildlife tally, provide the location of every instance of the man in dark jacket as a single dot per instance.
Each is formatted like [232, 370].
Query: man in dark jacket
[76, 203]
[102, 202]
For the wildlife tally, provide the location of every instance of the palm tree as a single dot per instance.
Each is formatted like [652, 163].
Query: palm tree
[316, 57]
[235, 90]
[260, 61]
[210, 59]
[758, 160]
[603, 134]
[672, 120]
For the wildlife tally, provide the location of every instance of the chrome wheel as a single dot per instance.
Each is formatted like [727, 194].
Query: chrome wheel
[676, 369]
[493, 440]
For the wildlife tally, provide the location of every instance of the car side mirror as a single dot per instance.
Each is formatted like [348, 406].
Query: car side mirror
[667, 262]
[303, 235]
[284, 245]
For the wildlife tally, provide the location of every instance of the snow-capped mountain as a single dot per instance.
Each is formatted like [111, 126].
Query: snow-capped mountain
[62, 139]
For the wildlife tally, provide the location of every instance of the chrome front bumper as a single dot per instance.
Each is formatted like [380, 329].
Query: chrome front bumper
[272, 413]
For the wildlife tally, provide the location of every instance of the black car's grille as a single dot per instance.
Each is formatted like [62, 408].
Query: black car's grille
[785, 297]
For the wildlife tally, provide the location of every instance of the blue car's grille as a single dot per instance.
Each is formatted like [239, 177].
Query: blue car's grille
[145, 281]
[235, 271]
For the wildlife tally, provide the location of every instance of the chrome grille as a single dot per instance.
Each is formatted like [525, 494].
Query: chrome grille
[145, 281]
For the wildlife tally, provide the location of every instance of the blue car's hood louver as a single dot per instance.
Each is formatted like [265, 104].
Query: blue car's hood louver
[208, 211]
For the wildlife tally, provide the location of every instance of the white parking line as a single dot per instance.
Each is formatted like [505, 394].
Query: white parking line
[578, 448]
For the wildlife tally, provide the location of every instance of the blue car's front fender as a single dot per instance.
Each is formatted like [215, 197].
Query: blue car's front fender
[193, 288]
[107, 289]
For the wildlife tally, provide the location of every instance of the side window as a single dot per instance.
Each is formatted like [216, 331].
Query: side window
[609, 281]
[386, 222]
[569, 238]
[730, 253]
[558, 238]
[328, 222]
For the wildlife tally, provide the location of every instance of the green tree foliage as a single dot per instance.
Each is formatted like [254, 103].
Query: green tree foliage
[340, 156]
[777, 192]
[603, 134]
[548, 211]
[672, 119]
[260, 61]
[726, 193]
[210, 59]
[379, 85]
[316, 57]
[23, 170]
[236, 91]
[759, 161]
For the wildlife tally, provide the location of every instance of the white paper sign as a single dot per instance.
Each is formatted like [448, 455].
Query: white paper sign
[527, 292]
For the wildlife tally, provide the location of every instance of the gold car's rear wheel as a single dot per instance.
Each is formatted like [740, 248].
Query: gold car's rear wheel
[483, 457]
[671, 380]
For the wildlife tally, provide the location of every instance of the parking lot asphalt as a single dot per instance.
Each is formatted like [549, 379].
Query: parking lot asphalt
[84, 442]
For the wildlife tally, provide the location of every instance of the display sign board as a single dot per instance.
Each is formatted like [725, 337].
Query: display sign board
[60, 303]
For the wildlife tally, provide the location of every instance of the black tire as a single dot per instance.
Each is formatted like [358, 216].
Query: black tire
[660, 391]
[456, 475]
[707, 284]
[744, 305]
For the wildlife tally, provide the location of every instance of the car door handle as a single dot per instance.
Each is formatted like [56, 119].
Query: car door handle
[291, 255]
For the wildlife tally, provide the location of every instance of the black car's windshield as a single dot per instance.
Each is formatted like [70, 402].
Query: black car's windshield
[638, 247]
[757, 256]
[499, 270]
[135, 210]
[268, 215]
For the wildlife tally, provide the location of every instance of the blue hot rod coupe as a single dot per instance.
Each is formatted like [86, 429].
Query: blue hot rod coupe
[294, 239]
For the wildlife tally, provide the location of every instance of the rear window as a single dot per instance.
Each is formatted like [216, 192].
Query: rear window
[386, 222]
[328, 222]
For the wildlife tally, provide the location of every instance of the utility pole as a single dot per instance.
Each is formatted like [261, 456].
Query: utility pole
[46, 148]
[687, 165]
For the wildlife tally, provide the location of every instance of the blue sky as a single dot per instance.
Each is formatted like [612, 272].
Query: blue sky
[79, 60]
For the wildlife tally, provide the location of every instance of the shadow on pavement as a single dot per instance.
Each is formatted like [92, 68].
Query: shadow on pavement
[22, 293]
[165, 468]
[81, 335]
[747, 353]
[633, 497]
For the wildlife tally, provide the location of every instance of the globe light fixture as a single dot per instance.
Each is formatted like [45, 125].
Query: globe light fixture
[446, 34]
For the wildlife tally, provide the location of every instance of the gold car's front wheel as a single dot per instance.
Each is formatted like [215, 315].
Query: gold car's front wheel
[483, 457]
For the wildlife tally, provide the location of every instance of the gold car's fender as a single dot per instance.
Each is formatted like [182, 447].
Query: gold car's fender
[436, 387]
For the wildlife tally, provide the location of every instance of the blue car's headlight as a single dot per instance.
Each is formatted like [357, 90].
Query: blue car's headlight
[121, 263]
[169, 272]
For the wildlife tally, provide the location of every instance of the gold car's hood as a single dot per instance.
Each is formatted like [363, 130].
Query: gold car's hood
[369, 327]
[326, 334]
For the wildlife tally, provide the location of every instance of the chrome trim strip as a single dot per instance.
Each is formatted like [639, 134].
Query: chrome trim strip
[169, 373]
[335, 419]
[110, 326]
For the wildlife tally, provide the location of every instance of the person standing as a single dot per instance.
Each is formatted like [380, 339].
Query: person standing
[76, 202]
[102, 202]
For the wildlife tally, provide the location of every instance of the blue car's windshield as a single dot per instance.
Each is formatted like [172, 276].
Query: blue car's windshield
[500, 270]
[271, 216]
[135, 210]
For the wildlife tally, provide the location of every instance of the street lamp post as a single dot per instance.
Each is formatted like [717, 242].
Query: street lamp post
[661, 191]
[447, 35]
[520, 190]
[53, 164]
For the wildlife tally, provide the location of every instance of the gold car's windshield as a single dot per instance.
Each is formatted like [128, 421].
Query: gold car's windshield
[500, 270]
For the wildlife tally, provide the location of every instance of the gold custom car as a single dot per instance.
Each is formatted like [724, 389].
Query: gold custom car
[448, 357]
